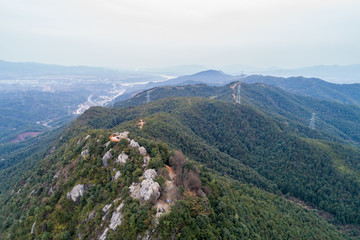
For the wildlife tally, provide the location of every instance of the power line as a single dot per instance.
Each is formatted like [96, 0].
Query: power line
[148, 97]
[312, 122]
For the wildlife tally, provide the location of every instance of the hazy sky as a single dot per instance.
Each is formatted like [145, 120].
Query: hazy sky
[156, 33]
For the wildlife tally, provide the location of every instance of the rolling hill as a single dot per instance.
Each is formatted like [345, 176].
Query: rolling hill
[226, 186]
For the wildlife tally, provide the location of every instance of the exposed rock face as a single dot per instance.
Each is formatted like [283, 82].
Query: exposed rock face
[150, 174]
[103, 236]
[121, 135]
[32, 192]
[134, 144]
[85, 153]
[117, 175]
[135, 190]
[142, 151]
[91, 216]
[51, 191]
[147, 235]
[106, 157]
[149, 188]
[76, 192]
[87, 137]
[122, 158]
[116, 218]
[106, 207]
[33, 228]
[106, 211]
[146, 160]
[107, 144]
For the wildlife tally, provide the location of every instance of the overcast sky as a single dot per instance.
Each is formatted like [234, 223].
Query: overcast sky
[157, 33]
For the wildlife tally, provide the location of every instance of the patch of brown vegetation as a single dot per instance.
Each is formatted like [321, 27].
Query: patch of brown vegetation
[23, 136]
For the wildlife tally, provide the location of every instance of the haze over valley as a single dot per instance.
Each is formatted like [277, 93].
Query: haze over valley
[179, 120]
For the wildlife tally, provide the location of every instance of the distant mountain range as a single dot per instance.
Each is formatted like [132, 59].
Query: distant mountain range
[313, 87]
[330, 73]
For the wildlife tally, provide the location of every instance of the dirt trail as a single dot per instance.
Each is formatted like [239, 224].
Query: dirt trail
[169, 194]
[141, 124]
[233, 88]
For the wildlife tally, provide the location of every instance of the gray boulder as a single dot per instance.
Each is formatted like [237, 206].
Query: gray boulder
[150, 174]
[122, 158]
[142, 151]
[134, 144]
[76, 192]
[85, 153]
[106, 157]
[116, 218]
[148, 189]
[117, 175]
[103, 236]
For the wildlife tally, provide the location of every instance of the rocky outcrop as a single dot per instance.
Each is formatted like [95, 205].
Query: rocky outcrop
[90, 216]
[85, 153]
[106, 209]
[103, 236]
[122, 158]
[116, 218]
[149, 189]
[135, 191]
[76, 192]
[134, 144]
[150, 174]
[106, 157]
[146, 160]
[121, 135]
[142, 151]
[107, 144]
[33, 228]
[117, 175]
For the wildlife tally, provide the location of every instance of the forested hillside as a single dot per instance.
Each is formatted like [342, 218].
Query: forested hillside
[241, 164]
[90, 188]
[336, 121]
[317, 171]
[314, 87]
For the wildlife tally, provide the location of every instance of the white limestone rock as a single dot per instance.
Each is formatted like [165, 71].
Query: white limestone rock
[106, 208]
[116, 218]
[33, 228]
[103, 236]
[122, 158]
[76, 192]
[150, 174]
[142, 151]
[85, 153]
[117, 175]
[32, 192]
[149, 188]
[90, 216]
[106, 157]
[146, 160]
[107, 144]
[134, 144]
[135, 190]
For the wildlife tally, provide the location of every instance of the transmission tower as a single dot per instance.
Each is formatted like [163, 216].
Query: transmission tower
[148, 97]
[312, 122]
[238, 97]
